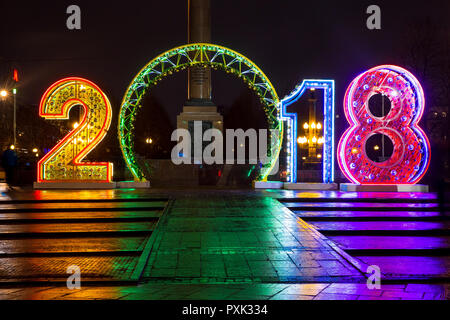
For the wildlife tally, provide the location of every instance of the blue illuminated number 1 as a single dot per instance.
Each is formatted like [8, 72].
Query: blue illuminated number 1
[328, 128]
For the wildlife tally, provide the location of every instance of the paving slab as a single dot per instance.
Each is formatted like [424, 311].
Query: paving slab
[79, 206]
[50, 268]
[215, 244]
[38, 217]
[76, 227]
[257, 238]
[263, 291]
[20, 246]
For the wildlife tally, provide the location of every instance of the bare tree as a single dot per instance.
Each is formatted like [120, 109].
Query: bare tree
[427, 54]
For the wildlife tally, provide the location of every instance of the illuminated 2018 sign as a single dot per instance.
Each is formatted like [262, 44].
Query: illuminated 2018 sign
[408, 163]
[411, 154]
[64, 162]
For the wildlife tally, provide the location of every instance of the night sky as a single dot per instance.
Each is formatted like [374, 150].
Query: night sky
[288, 40]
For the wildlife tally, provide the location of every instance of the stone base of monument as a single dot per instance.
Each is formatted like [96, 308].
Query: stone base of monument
[200, 113]
[75, 185]
[350, 187]
[133, 185]
[267, 184]
[310, 186]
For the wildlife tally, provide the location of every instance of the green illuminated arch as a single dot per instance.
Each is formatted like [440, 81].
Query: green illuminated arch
[180, 58]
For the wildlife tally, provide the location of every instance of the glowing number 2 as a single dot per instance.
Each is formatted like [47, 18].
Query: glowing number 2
[411, 154]
[63, 162]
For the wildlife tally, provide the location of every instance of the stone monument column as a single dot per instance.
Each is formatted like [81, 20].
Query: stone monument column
[199, 106]
[199, 31]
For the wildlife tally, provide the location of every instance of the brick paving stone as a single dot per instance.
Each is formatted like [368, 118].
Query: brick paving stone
[342, 271]
[25, 255]
[163, 273]
[352, 288]
[249, 297]
[267, 291]
[284, 264]
[393, 287]
[156, 291]
[238, 272]
[334, 264]
[288, 272]
[434, 296]
[82, 205]
[424, 287]
[303, 263]
[403, 295]
[57, 216]
[188, 272]
[377, 298]
[213, 272]
[11, 294]
[164, 261]
[335, 296]
[291, 297]
[213, 293]
[228, 245]
[70, 245]
[98, 294]
[322, 255]
[313, 272]
[91, 267]
[308, 289]
[77, 227]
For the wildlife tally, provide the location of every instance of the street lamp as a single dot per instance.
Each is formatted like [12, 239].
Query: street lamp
[302, 140]
[312, 139]
[14, 94]
[4, 94]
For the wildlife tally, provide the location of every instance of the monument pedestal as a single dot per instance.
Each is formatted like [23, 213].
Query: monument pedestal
[133, 185]
[350, 187]
[310, 186]
[200, 113]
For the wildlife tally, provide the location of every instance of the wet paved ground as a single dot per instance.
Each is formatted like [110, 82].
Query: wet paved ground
[242, 238]
[406, 235]
[264, 291]
[214, 244]
[41, 237]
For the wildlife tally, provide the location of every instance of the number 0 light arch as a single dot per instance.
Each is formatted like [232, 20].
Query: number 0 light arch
[180, 58]
[64, 162]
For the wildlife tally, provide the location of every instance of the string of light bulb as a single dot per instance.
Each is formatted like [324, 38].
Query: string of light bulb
[316, 128]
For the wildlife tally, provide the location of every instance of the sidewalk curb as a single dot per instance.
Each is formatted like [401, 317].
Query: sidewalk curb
[152, 242]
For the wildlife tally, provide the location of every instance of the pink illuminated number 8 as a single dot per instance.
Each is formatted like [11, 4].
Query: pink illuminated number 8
[411, 152]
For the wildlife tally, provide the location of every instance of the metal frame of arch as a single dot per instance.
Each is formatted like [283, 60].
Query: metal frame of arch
[180, 58]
